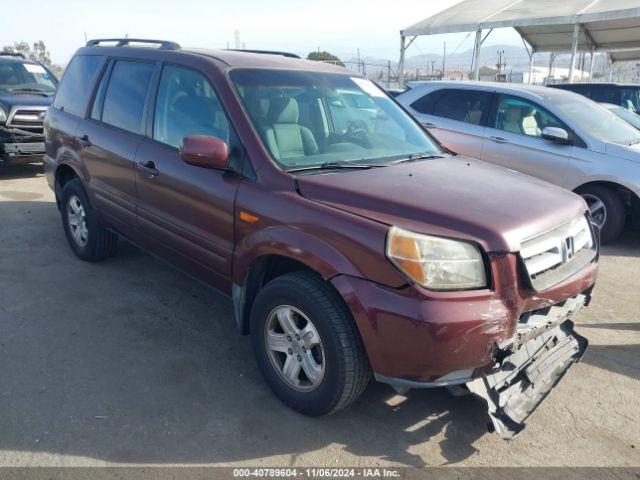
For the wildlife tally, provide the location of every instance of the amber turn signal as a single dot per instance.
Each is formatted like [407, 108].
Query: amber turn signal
[247, 217]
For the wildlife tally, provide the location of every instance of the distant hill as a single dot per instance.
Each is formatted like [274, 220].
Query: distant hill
[516, 57]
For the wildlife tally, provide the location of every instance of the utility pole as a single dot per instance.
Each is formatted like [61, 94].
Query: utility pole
[359, 62]
[444, 59]
[501, 65]
[388, 73]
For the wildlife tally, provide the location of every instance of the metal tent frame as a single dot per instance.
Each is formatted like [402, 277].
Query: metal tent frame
[544, 26]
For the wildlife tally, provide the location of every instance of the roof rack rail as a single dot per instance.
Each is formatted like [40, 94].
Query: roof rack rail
[12, 54]
[266, 52]
[123, 42]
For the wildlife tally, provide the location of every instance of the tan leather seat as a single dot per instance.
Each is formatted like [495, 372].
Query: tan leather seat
[474, 115]
[511, 120]
[529, 123]
[284, 136]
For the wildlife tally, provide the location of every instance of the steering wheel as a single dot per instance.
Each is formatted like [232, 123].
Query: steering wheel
[356, 131]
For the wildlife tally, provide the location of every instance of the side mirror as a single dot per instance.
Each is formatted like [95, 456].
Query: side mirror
[555, 134]
[204, 151]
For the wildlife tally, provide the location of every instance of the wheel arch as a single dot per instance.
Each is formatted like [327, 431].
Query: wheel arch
[258, 273]
[630, 197]
[68, 167]
[612, 184]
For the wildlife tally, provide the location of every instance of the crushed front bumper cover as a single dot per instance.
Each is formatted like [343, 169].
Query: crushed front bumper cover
[527, 366]
[526, 376]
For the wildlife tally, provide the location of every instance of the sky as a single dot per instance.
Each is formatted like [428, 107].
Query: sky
[339, 26]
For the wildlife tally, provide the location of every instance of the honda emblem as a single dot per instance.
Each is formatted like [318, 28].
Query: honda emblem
[568, 249]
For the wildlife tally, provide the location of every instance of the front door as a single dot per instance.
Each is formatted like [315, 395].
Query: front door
[513, 139]
[187, 211]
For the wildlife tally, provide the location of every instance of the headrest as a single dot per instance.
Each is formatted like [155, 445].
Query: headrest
[513, 113]
[283, 110]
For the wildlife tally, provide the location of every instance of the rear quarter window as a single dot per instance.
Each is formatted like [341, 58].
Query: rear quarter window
[75, 86]
[424, 104]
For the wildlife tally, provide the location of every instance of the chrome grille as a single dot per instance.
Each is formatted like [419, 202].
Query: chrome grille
[28, 118]
[557, 254]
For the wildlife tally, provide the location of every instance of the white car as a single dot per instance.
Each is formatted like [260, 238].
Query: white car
[552, 134]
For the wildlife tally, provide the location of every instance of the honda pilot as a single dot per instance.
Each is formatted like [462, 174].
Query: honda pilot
[351, 243]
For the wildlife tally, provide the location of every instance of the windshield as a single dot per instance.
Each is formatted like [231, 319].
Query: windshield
[629, 116]
[594, 119]
[308, 119]
[25, 76]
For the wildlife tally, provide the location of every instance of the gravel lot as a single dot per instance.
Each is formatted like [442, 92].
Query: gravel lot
[130, 362]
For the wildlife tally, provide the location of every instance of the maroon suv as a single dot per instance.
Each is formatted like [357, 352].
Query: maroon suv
[351, 242]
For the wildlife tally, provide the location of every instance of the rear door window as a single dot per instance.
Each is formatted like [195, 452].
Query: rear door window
[74, 90]
[126, 95]
[467, 106]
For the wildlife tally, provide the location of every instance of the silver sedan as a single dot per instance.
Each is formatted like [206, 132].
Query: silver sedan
[555, 135]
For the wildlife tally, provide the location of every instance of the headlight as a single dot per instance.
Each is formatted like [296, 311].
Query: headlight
[3, 115]
[436, 263]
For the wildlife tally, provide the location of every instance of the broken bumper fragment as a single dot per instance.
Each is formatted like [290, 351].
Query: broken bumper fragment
[526, 376]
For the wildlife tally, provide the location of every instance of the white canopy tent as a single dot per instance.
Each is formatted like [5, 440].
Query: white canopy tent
[545, 25]
[625, 55]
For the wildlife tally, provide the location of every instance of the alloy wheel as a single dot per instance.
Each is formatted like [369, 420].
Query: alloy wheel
[294, 348]
[77, 220]
[597, 209]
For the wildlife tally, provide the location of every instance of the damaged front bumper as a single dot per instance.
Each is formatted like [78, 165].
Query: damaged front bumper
[528, 366]
[527, 376]
[18, 146]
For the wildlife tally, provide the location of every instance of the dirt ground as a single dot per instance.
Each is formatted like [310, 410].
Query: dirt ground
[130, 362]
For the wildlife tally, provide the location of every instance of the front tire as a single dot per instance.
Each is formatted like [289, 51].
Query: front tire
[88, 239]
[607, 210]
[307, 345]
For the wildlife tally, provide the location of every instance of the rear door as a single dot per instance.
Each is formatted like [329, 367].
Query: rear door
[111, 136]
[184, 211]
[513, 139]
[456, 117]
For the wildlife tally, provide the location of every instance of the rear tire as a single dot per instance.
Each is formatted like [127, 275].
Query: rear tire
[88, 239]
[607, 209]
[338, 363]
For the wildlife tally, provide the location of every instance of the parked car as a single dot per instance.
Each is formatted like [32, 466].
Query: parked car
[26, 91]
[623, 94]
[558, 136]
[630, 117]
[346, 252]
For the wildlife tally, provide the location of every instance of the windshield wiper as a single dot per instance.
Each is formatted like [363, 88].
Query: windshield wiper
[38, 90]
[333, 166]
[417, 156]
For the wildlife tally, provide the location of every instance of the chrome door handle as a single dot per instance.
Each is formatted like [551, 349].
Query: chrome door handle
[498, 140]
[149, 168]
[429, 125]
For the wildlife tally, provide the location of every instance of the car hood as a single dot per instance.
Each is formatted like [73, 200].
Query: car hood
[626, 152]
[8, 100]
[456, 197]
